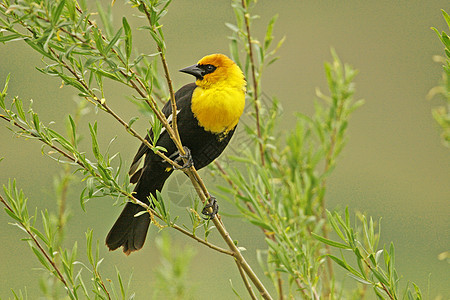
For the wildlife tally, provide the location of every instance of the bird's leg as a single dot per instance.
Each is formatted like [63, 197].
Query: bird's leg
[212, 203]
[190, 161]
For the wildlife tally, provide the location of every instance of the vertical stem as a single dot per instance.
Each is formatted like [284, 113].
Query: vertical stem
[200, 186]
[280, 286]
[172, 96]
[246, 283]
[328, 163]
[254, 79]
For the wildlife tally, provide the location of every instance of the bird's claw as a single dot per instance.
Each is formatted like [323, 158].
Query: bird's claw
[212, 203]
[190, 161]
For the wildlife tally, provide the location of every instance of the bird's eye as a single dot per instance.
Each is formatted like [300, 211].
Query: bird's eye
[208, 68]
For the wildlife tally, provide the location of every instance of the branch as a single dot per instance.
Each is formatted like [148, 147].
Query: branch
[254, 79]
[123, 193]
[36, 242]
[198, 182]
[192, 173]
[246, 283]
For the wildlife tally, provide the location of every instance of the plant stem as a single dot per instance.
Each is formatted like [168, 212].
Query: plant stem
[132, 199]
[41, 249]
[199, 184]
[328, 164]
[255, 81]
[246, 283]
[172, 131]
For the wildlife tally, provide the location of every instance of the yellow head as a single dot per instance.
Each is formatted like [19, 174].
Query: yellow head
[215, 70]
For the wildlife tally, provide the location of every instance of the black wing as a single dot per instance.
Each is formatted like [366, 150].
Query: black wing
[183, 100]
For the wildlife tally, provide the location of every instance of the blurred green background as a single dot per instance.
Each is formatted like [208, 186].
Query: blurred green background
[394, 165]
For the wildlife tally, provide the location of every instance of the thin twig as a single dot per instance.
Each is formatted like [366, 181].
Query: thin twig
[246, 283]
[41, 249]
[169, 82]
[302, 289]
[328, 163]
[255, 81]
[131, 197]
[199, 184]
[103, 104]
[192, 173]
[384, 287]
[201, 241]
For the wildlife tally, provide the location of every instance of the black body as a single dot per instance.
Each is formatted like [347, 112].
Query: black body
[129, 231]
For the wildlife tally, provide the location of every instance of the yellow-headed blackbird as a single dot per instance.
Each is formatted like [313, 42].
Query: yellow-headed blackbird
[207, 114]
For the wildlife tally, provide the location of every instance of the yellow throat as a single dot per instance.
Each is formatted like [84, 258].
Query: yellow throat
[219, 99]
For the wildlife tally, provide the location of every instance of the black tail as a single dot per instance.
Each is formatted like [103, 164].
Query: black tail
[130, 231]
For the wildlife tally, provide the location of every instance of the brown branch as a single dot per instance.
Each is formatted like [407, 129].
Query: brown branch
[103, 104]
[191, 172]
[382, 284]
[255, 80]
[246, 283]
[172, 96]
[176, 138]
[131, 197]
[302, 289]
[200, 186]
[201, 241]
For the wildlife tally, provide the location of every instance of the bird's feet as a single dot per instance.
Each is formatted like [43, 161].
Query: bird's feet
[212, 203]
[189, 160]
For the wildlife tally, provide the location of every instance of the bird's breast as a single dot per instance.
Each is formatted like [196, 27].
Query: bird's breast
[218, 109]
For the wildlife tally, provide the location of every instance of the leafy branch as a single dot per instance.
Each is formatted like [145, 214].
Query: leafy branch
[104, 57]
[369, 269]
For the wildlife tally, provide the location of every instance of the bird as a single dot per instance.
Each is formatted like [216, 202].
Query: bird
[208, 111]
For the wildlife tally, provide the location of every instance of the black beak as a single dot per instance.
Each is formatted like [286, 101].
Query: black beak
[194, 70]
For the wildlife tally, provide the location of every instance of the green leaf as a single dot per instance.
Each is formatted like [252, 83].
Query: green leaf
[233, 27]
[73, 82]
[335, 226]
[268, 38]
[359, 279]
[140, 213]
[261, 224]
[40, 257]
[379, 276]
[73, 131]
[19, 107]
[38, 48]
[37, 123]
[156, 38]
[6, 38]
[122, 289]
[339, 262]
[132, 120]
[330, 242]
[344, 265]
[13, 215]
[82, 199]
[112, 42]
[106, 18]
[235, 52]
[5, 89]
[95, 147]
[106, 74]
[58, 11]
[128, 38]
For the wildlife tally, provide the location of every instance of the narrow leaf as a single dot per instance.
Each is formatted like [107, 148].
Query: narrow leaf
[128, 37]
[330, 242]
[112, 42]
